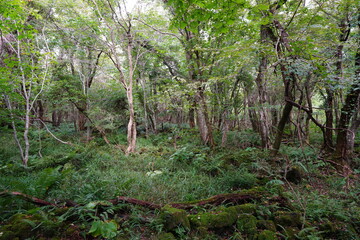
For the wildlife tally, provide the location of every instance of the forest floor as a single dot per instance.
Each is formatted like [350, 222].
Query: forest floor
[174, 188]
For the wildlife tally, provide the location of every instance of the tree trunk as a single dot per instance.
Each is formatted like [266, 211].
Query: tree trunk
[204, 124]
[253, 117]
[264, 126]
[15, 133]
[343, 149]
[281, 126]
[131, 130]
[225, 128]
[192, 117]
[81, 121]
[40, 112]
[26, 132]
[328, 141]
[54, 118]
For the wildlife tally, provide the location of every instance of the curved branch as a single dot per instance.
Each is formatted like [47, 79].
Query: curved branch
[28, 198]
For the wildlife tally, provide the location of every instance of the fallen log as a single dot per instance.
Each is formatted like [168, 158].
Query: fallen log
[68, 203]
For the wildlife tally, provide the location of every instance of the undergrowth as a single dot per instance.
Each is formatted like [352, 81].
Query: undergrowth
[168, 167]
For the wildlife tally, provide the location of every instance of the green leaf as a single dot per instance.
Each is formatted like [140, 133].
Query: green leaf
[183, 25]
[104, 229]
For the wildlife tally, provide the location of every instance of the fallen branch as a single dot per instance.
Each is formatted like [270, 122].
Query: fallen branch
[234, 198]
[221, 199]
[28, 198]
[135, 201]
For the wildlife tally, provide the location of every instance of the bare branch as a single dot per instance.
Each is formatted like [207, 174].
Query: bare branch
[159, 31]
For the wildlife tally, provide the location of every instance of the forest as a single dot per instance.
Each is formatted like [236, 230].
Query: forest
[180, 119]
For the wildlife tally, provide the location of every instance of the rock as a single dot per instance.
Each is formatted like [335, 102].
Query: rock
[294, 175]
[267, 235]
[290, 232]
[291, 219]
[173, 217]
[218, 219]
[266, 225]
[165, 236]
[244, 208]
[19, 226]
[247, 224]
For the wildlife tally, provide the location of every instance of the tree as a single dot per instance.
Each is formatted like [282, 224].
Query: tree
[23, 66]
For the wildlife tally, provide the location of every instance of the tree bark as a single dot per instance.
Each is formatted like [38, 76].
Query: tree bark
[264, 126]
[131, 130]
[343, 149]
[328, 141]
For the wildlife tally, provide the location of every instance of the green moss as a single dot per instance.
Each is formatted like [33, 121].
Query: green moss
[267, 235]
[237, 236]
[247, 224]
[252, 193]
[327, 227]
[292, 219]
[290, 232]
[18, 226]
[245, 208]
[49, 228]
[165, 236]
[266, 225]
[173, 217]
[217, 219]
[294, 175]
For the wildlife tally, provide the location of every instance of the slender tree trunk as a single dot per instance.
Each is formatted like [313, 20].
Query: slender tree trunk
[40, 112]
[225, 127]
[192, 117]
[264, 126]
[131, 134]
[281, 126]
[54, 118]
[59, 118]
[142, 82]
[15, 133]
[328, 141]
[308, 92]
[26, 132]
[253, 116]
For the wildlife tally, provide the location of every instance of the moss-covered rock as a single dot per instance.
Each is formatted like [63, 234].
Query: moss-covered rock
[266, 225]
[267, 235]
[247, 224]
[237, 236]
[173, 217]
[23, 226]
[165, 236]
[292, 219]
[290, 232]
[294, 175]
[244, 208]
[327, 227]
[19, 226]
[217, 219]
